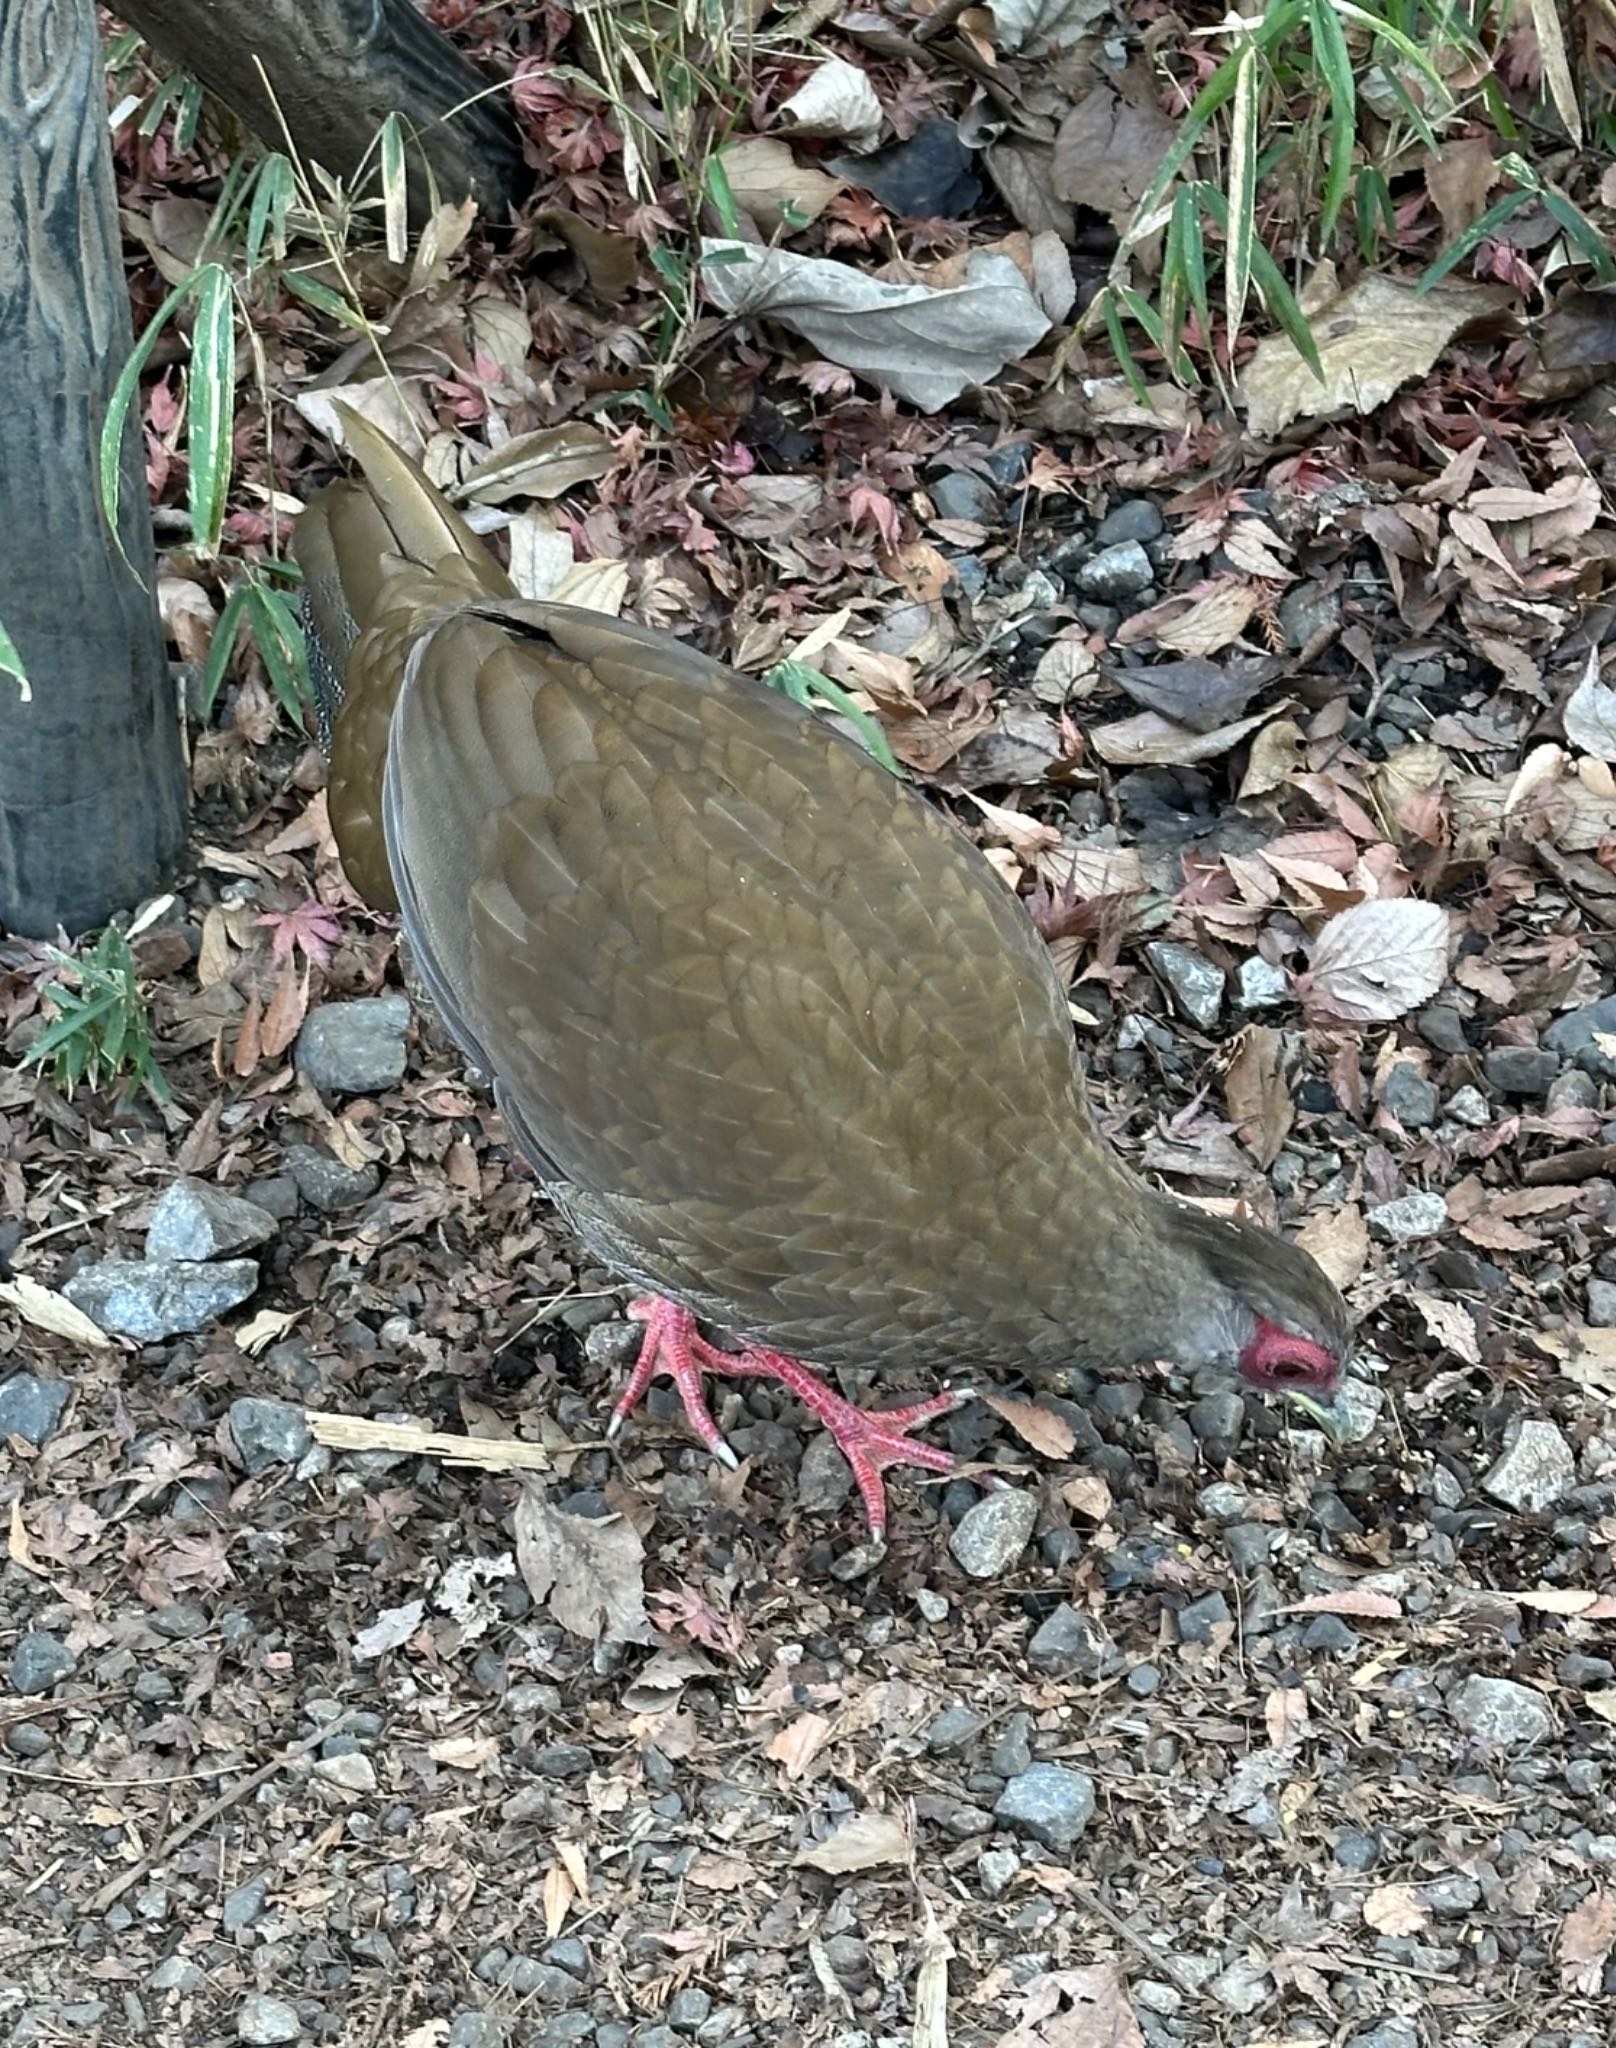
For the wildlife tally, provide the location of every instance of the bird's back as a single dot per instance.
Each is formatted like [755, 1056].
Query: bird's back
[782, 1043]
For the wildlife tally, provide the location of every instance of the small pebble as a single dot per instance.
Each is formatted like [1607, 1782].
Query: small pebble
[994, 1532]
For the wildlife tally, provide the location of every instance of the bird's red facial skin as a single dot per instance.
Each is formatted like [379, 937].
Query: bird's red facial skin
[1275, 1360]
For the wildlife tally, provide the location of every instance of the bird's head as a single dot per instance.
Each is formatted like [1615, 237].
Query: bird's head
[1264, 1307]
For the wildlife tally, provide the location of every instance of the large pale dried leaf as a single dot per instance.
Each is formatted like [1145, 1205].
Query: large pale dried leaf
[1258, 1096]
[1047, 1433]
[1378, 960]
[1590, 713]
[1151, 741]
[1109, 149]
[862, 1842]
[610, 261]
[589, 1572]
[1039, 28]
[836, 99]
[599, 586]
[1372, 338]
[1024, 174]
[1396, 1909]
[767, 181]
[1083, 2008]
[378, 400]
[52, 1312]
[391, 1630]
[1339, 1240]
[925, 345]
[1459, 178]
[1201, 621]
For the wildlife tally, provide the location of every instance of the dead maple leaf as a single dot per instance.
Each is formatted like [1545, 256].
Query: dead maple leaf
[589, 1572]
[1375, 962]
[1040, 1428]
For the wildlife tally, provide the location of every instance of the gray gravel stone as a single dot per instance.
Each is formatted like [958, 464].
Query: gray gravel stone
[195, 1221]
[39, 1662]
[1260, 985]
[353, 1771]
[1521, 1069]
[354, 1048]
[1500, 1712]
[1117, 572]
[1137, 519]
[1468, 1106]
[267, 2022]
[1602, 1304]
[1576, 1035]
[1537, 1469]
[1307, 610]
[1410, 1097]
[1409, 1217]
[1049, 1802]
[1242, 1987]
[325, 1183]
[477, 2030]
[267, 1432]
[1196, 984]
[993, 1534]
[152, 1299]
[31, 1407]
[1219, 1418]
[960, 495]
[243, 1905]
[1069, 1643]
[954, 1728]
[1197, 1621]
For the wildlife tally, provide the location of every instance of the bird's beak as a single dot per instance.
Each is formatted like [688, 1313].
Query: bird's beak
[1323, 1412]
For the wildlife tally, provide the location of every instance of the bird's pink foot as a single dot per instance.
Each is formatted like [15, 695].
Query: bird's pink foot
[869, 1440]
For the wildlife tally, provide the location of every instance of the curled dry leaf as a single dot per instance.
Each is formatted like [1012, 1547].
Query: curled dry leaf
[1586, 1937]
[589, 1572]
[1047, 1433]
[835, 99]
[1151, 741]
[52, 1312]
[860, 1843]
[923, 344]
[1378, 960]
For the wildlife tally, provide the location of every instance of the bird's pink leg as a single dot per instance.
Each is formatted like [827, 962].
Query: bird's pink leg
[870, 1441]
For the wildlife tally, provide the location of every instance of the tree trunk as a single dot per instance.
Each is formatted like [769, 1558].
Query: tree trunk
[92, 776]
[335, 70]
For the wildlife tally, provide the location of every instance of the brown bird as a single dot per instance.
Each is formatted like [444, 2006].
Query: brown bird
[782, 1047]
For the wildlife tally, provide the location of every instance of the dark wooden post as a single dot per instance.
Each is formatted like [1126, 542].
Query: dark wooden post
[92, 777]
[335, 69]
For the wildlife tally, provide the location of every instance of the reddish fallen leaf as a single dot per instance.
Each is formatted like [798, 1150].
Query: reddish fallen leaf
[1586, 1937]
[1040, 1428]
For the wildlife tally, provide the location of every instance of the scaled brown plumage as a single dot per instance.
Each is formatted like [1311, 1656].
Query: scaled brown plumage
[780, 1043]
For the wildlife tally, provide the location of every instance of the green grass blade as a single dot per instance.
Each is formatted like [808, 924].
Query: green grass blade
[213, 384]
[123, 393]
[1242, 229]
[395, 190]
[1334, 60]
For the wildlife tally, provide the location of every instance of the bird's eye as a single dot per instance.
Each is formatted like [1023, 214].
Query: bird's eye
[1290, 1370]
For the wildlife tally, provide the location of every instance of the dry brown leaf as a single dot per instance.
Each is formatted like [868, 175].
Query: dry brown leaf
[558, 1896]
[1047, 1433]
[767, 180]
[590, 1572]
[799, 1743]
[464, 1752]
[1285, 1716]
[710, 1873]
[1088, 1495]
[52, 1312]
[1372, 338]
[1396, 1909]
[1084, 2008]
[1359, 1602]
[1257, 1094]
[1587, 1934]
[1339, 1240]
[862, 1842]
[1150, 741]
[1590, 713]
[1451, 1324]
